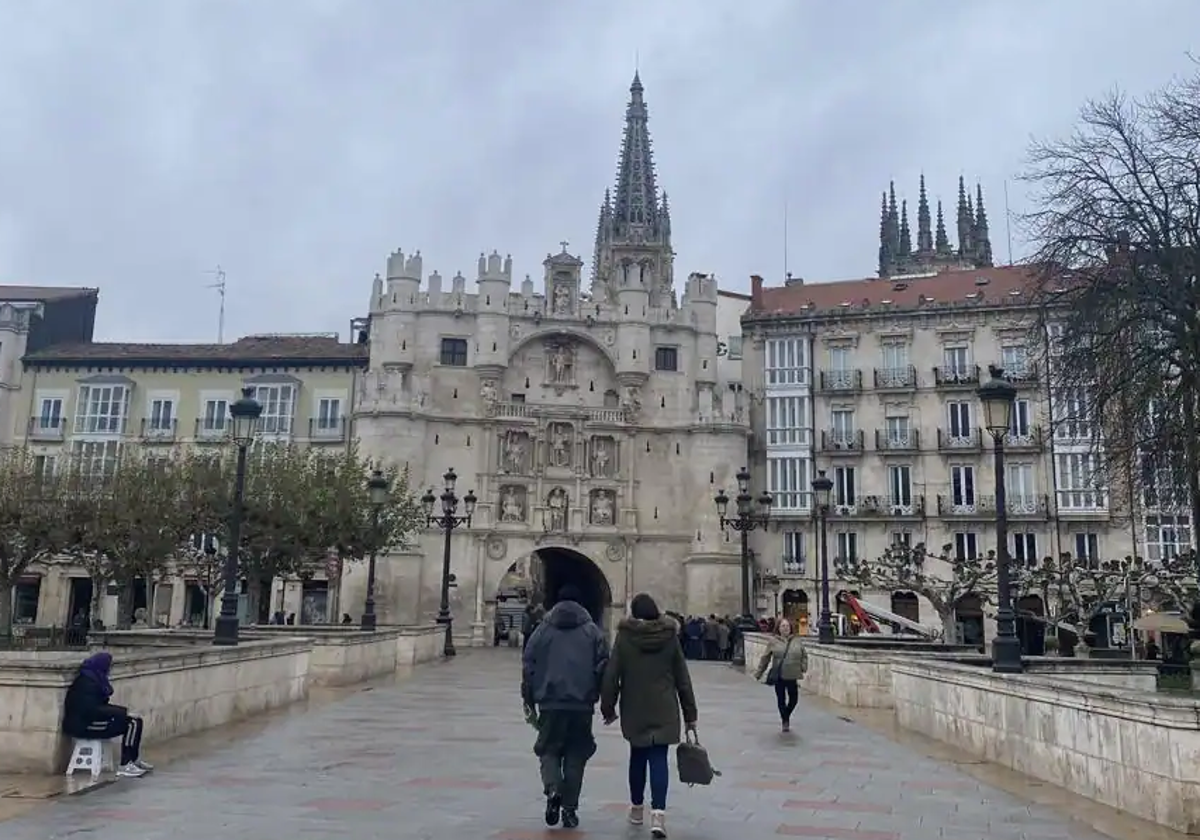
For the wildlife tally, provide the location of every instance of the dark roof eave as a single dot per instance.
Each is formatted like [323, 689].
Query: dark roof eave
[38, 361]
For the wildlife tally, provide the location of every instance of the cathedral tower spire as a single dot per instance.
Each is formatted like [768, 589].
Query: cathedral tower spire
[905, 231]
[965, 220]
[980, 237]
[924, 229]
[886, 254]
[634, 236]
[941, 241]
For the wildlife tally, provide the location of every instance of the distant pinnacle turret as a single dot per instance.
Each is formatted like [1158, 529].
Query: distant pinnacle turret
[941, 242]
[933, 251]
[979, 235]
[924, 229]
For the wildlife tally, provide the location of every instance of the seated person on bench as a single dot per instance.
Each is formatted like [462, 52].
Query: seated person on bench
[88, 714]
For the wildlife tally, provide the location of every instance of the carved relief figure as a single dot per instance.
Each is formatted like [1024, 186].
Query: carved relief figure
[562, 299]
[556, 507]
[562, 364]
[603, 507]
[603, 460]
[514, 452]
[512, 504]
[561, 443]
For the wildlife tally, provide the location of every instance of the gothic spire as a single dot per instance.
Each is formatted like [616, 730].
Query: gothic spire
[635, 205]
[965, 220]
[979, 235]
[603, 227]
[893, 220]
[886, 254]
[941, 242]
[905, 231]
[924, 231]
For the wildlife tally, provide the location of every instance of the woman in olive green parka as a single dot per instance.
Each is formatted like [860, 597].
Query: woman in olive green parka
[648, 676]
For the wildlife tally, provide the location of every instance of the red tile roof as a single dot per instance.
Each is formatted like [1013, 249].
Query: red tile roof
[999, 286]
[257, 351]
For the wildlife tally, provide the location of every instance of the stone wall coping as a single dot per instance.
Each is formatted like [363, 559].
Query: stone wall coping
[1090, 698]
[60, 670]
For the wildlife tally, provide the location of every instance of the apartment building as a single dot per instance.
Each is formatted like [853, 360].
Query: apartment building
[33, 318]
[87, 401]
[873, 382]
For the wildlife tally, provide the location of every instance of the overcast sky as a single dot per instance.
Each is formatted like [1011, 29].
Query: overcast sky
[297, 142]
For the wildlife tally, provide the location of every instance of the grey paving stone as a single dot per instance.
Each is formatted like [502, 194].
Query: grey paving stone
[447, 755]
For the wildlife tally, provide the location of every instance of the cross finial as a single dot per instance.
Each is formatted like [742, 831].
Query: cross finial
[564, 245]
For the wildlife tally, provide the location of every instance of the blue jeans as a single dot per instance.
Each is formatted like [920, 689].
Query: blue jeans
[654, 758]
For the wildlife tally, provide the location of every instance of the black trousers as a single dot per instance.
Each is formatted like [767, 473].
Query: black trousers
[564, 744]
[125, 727]
[787, 695]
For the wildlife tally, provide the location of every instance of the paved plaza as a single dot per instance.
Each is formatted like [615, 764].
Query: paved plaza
[445, 754]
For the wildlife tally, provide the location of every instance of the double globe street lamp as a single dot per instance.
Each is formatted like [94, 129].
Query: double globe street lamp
[746, 520]
[378, 490]
[999, 397]
[448, 520]
[244, 415]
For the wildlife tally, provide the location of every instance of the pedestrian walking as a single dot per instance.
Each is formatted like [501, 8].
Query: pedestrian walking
[534, 615]
[784, 664]
[562, 665]
[647, 678]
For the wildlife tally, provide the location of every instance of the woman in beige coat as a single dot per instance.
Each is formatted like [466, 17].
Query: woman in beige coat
[784, 663]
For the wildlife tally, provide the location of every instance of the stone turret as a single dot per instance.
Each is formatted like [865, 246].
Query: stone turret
[700, 307]
[494, 282]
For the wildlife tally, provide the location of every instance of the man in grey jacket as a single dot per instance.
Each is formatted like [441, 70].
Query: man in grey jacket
[562, 666]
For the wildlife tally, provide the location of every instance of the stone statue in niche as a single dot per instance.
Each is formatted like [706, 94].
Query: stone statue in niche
[556, 509]
[603, 457]
[603, 511]
[562, 299]
[512, 504]
[631, 403]
[489, 393]
[515, 449]
[561, 443]
[561, 358]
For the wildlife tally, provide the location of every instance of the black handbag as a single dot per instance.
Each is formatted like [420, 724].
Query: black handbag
[691, 760]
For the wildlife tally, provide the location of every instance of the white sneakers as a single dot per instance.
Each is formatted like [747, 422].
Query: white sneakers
[134, 769]
[658, 824]
[637, 814]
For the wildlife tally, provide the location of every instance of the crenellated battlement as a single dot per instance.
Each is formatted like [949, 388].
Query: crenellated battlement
[700, 288]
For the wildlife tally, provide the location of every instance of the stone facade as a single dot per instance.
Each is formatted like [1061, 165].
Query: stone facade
[585, 418]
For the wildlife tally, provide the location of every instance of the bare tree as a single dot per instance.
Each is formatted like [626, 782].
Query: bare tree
[912, 568]
[1116, 231]
[33, 529]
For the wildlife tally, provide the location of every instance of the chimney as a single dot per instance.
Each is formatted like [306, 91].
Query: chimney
[756, 292]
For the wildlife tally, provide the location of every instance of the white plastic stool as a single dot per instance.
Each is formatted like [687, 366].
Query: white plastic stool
[93, 756]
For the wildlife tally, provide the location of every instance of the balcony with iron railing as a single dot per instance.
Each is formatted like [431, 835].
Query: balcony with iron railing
[957, 440]
[839, 381]
[1022, 376]
[160, 430]
[1032, 439]
[966, 505]
[794, 566]
[896, 379]
[881, 507]
[1027, 505]
[956, 377]
[44, 429]
[892, 440]
[842, 442]
[327, 429]
[212, 429]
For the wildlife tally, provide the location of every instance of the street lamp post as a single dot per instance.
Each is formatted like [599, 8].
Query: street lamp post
[998, 397]
[822, 487]
[447, 520]
[378, 490]
[244, 414]
[744, 522]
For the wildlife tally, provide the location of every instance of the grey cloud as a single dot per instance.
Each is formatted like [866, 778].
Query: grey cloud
[297, 142]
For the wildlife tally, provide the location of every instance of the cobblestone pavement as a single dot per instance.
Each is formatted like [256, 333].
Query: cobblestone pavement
[446, 754]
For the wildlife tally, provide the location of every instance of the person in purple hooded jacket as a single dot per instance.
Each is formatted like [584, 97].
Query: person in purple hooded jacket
[88, 713]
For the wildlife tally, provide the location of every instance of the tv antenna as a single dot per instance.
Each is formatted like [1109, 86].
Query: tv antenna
[220, 287]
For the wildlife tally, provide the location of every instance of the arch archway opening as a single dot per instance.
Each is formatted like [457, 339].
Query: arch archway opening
[564, 566]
